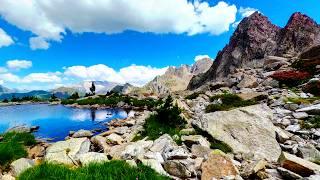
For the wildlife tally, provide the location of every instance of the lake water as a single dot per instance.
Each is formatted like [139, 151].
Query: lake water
[56, 121]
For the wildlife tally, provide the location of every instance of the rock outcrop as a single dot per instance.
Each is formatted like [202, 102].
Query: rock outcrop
[248, 130]
[255, 38]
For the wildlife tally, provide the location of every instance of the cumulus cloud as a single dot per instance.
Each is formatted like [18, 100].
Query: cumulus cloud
[9, 77]
[5, 39]
[19, 64]
[200, 57]
[136, 75]
[41, 78]
[49, 19]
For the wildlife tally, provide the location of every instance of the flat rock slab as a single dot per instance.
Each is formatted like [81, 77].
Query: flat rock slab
[298, 165]
[247, 130]
[20, 165]
[66, 152]
[314, 109]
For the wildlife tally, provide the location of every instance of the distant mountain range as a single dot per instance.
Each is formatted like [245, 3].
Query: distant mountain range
[175, 78]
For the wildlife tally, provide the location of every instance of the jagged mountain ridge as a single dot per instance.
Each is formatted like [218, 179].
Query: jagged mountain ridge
[255, 38]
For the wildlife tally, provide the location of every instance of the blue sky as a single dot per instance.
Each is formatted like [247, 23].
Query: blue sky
[130, 41]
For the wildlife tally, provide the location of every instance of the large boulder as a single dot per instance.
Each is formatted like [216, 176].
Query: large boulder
[218, 166]
[247, 130]
[82, 133]
[20, 165]
[180, 168]
[137, 148]
[297, 165]
[66, 152]
[92, 157]
[248, 81]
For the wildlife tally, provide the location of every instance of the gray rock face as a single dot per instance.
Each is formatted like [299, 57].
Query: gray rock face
[255, 38]
[20, 165]
[246, 130]
[66, 152]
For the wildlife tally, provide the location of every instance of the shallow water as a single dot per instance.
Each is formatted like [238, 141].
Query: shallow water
[56, 121]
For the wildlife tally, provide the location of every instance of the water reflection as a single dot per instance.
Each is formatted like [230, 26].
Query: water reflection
[56, 121]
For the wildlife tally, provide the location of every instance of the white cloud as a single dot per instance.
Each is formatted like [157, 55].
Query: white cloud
[19, 64]
[136, 75]
[1, 82]
[49, 19]
[140, 75]
[38, 43]
[5, 39]
[3, 70]
[41, 78]
[9, 77]
[200, 57]
[246, 12]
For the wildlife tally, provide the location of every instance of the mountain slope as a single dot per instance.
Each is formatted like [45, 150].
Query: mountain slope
[4, 89]
[255, 38]
[175, 78]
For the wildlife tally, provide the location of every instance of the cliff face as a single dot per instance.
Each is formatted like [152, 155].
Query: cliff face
[255, 38]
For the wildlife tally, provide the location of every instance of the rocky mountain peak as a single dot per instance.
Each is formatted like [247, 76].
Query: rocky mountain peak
[299, 20]
[300, 33]
[255, 38]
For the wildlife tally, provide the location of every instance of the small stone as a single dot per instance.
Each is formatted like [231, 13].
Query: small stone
[253, 168]
[300, 115]
[297, 165]
[179, 168]
[218, 166]
[293, 128]
[288, 174]
[114, 139]
[291, 106]
[175, 153]
[195, 139]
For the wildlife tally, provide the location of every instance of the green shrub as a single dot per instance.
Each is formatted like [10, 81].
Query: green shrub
[113, 170]
[312, 122]
[193, 95]
[12, 146]
[166, 120]
[302, 100]
[229, 101]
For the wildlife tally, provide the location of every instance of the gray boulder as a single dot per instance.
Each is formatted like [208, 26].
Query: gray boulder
[92, 157]
[82, 133]
[66, 152]
[247, 130]
[20, 165]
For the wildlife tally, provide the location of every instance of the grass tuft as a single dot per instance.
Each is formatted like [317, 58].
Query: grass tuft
[113, 170]
[12, 147]
[229, 101]
[312, 122]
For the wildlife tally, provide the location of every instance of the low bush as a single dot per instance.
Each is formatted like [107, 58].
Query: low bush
[193, 95]
[12, 146]
[312, 122]
[291, 78]
[166, 120]
[228, 101]
[113, 170]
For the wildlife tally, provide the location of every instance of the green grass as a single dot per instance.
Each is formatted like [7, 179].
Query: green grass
[113, 100]
[229, 101]
[302, 100]
[113, 170]
[312, 122]
[153, 128]
[166, 120]
[12, 147]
